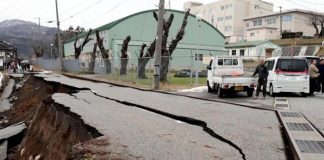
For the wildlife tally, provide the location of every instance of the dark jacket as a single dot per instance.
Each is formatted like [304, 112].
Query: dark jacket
[321, 69]
[262, 71]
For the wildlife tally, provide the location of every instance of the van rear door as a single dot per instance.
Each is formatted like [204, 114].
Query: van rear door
[291, 69]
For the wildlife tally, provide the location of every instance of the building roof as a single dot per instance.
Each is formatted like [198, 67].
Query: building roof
[320, 53]
[245, 44]
[114, 23]
[4, 46]
[289, 42]
[284, 12]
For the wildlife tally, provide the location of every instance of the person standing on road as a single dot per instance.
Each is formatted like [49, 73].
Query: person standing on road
[321, 72]
[313, 74]
[263, 73]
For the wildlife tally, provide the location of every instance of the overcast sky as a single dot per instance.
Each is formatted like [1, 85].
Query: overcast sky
[94, 13]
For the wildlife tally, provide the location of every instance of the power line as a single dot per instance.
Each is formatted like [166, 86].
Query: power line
[83, 10]
[301, 5]
[76, 6]
[315, 3]
[108, 11]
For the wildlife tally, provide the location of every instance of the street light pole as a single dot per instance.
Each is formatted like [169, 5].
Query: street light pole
[59, 36]
[158, 46]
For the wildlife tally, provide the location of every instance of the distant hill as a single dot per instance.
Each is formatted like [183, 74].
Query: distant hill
[22, 34]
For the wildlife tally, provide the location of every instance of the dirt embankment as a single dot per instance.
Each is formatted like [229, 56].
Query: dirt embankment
[52, 133]
[52, 129]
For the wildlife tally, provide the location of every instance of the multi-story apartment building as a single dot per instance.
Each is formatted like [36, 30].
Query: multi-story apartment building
[227, 15]
[265, 27]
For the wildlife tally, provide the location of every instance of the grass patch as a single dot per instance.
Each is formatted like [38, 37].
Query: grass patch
[176, 81]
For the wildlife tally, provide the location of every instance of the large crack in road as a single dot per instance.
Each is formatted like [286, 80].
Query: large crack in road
[187, 120]
[145, 106]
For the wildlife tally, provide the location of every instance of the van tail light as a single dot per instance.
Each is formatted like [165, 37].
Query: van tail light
[226, 86]
[280, 72]
[252, 85]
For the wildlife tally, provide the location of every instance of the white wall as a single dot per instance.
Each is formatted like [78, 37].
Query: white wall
[237, 9]
[300, 22]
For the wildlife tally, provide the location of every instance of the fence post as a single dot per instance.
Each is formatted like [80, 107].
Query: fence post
[191, 57]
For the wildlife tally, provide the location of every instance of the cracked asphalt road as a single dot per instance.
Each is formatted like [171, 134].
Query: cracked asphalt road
[256, 132]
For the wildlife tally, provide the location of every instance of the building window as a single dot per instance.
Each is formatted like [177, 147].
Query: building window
[252, 34]
[228, 18]
[228, 28]
[219, 19]
[287, 18]
[229, 6]
[247, 25]
[222, 7]
[257, 22]
[199, 57]
[271, 20]
[233, 52]
[242, 52]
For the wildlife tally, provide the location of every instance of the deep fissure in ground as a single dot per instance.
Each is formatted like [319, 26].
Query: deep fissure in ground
[47, 132]
[52, 129]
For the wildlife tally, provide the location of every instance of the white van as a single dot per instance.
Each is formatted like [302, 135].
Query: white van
[287, 74]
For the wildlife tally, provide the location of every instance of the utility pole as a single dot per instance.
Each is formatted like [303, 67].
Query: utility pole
[158, 47]
[280, 23]
[39, 25]
[59, 36]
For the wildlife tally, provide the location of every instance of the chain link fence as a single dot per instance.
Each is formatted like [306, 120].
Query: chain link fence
[182, 71]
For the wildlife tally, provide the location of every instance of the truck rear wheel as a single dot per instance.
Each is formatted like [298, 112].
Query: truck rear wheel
[249, 92]
[220, 92]
[210, 89]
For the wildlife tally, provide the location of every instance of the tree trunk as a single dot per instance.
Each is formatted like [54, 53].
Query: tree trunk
[316, 28]
[164, 68]
[123, 66]
[93, 58]
[104, 53]
[142, 62]
[124, 56]
[78, 49]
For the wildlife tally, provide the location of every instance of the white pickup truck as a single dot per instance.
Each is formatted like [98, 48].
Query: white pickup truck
[225, 76]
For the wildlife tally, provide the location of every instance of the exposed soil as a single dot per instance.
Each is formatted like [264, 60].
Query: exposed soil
[52, 129]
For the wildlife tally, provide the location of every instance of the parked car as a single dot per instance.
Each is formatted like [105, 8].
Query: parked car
[225, 75]
[202, 73]
[183, 73]
[287, 74]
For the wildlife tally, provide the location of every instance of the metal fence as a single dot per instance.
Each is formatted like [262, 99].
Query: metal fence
[182, 70]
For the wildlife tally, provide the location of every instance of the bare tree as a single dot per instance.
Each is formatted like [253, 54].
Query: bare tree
[314, 21]
[166, 54]
[78, 49]
[321, 22]
[38, 50]
[144, 59]
[124, 56]
[104, 52]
